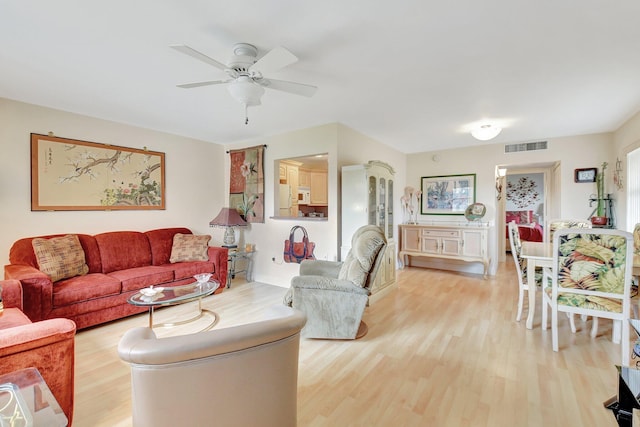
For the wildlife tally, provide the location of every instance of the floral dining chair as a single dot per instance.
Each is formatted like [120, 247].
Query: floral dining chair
[591, 275]
[558, 224]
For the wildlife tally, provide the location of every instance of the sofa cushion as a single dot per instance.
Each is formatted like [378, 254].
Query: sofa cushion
[183, 270]
[189, 247]
[22, 253]
[141, 277]
[161, 242]
[121, 250]
[84, 288]
[60, 257]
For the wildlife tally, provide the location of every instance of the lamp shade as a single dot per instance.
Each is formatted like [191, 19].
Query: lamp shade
[228, 218]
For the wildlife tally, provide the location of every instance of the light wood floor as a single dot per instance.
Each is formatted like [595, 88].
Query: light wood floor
[443, 349]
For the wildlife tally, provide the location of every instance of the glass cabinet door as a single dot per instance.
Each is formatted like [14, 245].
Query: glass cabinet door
[382, 207]
[390, 210]
[373, 204]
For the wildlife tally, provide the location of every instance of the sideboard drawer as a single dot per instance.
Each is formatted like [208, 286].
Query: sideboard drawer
[441, 233]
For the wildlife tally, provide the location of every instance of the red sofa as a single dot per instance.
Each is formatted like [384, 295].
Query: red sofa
[47, 346]
[120, 264]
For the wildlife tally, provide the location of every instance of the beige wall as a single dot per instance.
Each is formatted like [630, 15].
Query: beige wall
[627, 139]
[195, 188]
[572, 152]
[198, 179]
[344, 146]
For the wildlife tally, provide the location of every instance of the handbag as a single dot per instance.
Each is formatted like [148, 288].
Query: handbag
[297, 251]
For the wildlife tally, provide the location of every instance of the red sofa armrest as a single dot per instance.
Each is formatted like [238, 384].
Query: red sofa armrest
[37, 290]
[220, 256]
[11, 293]
[49, 347]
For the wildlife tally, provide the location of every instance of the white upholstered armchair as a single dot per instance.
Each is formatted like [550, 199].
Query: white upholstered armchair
[245, 375]
[334, 294]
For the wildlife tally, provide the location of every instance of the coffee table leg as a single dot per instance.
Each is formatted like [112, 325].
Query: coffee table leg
[151, 317]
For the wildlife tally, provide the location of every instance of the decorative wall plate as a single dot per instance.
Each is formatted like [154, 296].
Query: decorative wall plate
[475, 211]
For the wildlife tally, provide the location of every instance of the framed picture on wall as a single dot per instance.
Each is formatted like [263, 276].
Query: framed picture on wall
[448, 194]
[72, 175]
[585, 175]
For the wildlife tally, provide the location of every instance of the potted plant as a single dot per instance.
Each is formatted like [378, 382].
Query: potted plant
[600, 218]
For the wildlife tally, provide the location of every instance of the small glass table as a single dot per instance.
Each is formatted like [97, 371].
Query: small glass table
[234, 256]
[26, 400]
[175, 295]
[628, 397]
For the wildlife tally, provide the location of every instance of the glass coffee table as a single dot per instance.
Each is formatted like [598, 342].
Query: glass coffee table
[155, 297]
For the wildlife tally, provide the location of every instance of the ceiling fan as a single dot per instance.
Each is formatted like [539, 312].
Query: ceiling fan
[246, 80]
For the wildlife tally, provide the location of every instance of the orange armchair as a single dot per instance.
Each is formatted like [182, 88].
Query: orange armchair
[47, 346]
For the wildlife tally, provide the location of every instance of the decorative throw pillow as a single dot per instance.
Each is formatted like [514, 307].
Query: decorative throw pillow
[189, 247]
[60, 257]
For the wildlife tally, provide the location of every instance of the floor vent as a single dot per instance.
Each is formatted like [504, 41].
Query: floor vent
[525, 146]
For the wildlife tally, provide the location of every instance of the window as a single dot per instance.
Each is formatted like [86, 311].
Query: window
[633, 188]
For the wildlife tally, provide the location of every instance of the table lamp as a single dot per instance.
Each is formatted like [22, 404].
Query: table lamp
[228, 218]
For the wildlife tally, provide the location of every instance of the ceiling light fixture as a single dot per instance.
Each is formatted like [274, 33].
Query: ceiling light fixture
[486, 132]
[247, 93]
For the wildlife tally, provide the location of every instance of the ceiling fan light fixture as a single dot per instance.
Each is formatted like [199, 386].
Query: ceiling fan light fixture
[245, 91]
[486, 132]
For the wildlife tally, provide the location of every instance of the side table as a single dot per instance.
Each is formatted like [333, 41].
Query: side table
[26, 400]
[626, 400]
[247, 269]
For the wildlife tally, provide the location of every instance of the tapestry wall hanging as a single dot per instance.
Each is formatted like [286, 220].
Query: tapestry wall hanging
[246, 192]
[68, 175]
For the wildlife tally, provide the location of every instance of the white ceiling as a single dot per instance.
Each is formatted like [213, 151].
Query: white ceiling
[411, 74]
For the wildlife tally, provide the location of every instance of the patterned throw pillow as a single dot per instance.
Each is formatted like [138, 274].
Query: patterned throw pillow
[60, 257]
[189, 247]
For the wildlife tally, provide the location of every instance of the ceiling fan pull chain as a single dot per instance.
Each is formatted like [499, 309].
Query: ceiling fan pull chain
[246, 114]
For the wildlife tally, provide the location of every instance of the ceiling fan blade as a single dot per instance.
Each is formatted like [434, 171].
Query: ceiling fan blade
[291, 87]
[274, 60]
[198, 55]
[198, 84]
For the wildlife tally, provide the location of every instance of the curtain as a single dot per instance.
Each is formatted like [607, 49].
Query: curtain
[246, 192]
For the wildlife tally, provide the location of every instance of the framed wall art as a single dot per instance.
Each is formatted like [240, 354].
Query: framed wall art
[69, 175]
[585, 175]
[447, 195]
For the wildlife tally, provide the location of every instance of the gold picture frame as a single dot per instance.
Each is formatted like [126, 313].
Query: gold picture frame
[73, 175]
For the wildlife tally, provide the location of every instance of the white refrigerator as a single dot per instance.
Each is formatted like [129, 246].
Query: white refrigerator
[284, 204]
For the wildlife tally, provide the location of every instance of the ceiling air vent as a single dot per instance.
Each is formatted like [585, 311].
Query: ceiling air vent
[525, 146]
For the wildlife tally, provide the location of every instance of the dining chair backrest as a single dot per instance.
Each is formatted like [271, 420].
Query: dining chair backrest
[516, 250]
[592, 268]
[591, 276]
[558, 224]
[636, 239]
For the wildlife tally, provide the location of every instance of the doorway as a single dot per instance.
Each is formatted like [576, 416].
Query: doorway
[530, 196]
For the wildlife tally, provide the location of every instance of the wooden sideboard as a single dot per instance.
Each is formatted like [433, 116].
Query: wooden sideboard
[465, 242]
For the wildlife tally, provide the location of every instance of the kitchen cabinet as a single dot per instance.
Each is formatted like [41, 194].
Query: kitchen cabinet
[304, 178]
[460, 241]
[319, 194]
[291, 174]
[367, 198]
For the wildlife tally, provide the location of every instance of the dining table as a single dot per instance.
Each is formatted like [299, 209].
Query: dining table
[540, 254]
